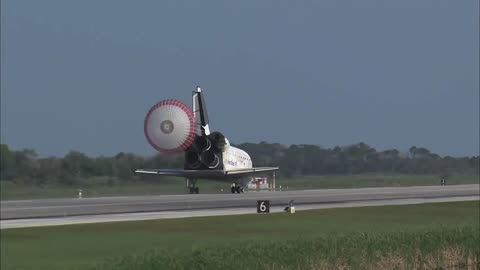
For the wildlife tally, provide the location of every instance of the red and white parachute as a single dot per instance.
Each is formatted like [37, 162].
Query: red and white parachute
[170, 126]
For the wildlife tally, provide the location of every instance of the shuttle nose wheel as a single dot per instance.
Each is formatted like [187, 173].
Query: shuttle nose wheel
[191, 185]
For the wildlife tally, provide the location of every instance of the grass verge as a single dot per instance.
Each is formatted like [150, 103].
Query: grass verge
[429, 249]
[82, 246]
[97, 187]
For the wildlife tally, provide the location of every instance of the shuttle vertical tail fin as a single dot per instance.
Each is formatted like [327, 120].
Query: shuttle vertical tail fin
[200, 112]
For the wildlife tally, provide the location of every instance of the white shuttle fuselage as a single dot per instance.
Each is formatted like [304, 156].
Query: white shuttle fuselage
[235, 158]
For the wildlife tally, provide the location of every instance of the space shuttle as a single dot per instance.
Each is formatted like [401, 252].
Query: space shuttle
[170, 126]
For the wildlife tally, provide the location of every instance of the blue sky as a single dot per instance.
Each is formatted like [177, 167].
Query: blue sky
[82, 74]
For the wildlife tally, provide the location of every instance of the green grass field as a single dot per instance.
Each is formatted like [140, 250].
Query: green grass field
[372, 180]
[11, 191]
[168, 185]
[347, 231]
[437, 248]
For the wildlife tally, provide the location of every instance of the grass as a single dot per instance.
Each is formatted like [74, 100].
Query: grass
[84, 246]
[432, 248]
[164, 185]
[167, 185]
[372, 180]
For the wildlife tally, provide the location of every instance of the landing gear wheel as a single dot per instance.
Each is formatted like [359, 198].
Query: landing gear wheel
[237, 189]
[191, 185]
[233, 189]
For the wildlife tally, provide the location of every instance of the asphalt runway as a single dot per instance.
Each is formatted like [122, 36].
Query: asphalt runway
[49, 208]
[85, 219]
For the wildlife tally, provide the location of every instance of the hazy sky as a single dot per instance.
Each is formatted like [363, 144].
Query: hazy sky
[82, 74]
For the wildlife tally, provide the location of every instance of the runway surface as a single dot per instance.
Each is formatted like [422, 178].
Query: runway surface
[44, 208]
[57, 221]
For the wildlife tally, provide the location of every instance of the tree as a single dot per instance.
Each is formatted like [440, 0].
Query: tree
[7, 163]
[27, 167]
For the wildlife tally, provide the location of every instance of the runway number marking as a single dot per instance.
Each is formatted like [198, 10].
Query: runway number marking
[263, 207]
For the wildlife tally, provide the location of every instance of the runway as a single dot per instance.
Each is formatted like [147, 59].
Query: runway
[85, 219]
[181, 204]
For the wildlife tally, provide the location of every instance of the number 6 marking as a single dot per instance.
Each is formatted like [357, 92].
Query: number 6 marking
[263, 208]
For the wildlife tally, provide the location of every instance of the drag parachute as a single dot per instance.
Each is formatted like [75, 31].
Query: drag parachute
[170, 126]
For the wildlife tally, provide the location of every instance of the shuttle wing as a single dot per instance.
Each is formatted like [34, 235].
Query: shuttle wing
[183, 173]
[250, 170]
[206, 173]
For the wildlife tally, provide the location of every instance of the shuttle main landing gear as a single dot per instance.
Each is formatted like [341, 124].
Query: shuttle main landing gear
[191, 185]
[236, 188]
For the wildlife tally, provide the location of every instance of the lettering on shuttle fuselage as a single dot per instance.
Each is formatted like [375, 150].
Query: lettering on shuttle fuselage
[230, 162]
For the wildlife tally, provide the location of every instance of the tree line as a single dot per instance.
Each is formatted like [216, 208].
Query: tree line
[26, 166]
